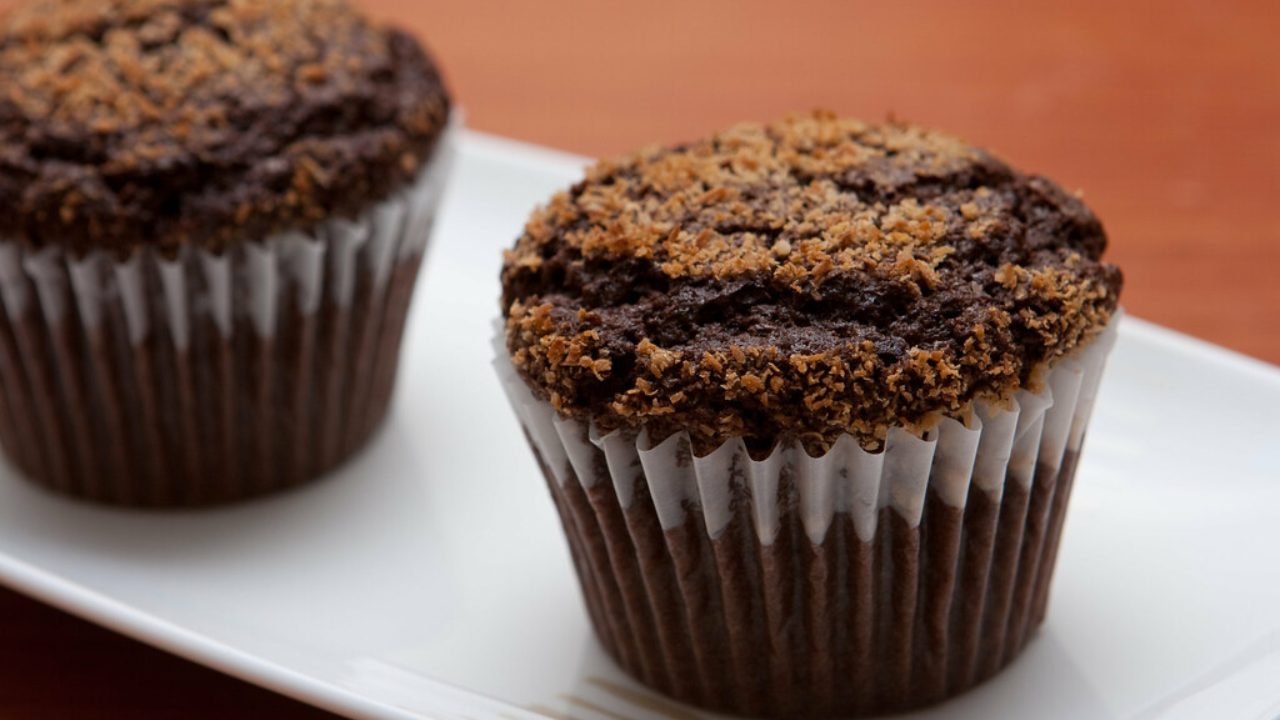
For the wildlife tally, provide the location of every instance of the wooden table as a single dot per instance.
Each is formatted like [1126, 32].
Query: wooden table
[1166, 113]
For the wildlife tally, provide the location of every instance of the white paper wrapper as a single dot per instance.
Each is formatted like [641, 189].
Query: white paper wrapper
[206, 377]
[848, 584]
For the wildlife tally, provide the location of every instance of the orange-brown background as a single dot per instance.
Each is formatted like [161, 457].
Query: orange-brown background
[1166, 113]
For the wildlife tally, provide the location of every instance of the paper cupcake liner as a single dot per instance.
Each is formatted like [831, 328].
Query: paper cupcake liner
[203, 378]
[854, 583]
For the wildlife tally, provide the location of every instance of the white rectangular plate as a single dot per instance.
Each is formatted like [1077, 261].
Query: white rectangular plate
[429, 577]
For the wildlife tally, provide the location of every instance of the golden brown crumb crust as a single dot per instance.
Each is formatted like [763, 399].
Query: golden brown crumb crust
[163, 122]
[802, 279]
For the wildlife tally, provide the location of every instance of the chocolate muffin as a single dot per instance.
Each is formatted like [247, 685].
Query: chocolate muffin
[212, 214]
[809, 397]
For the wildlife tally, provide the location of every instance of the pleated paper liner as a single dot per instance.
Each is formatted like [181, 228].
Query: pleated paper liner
[849, 584]
[204, 378]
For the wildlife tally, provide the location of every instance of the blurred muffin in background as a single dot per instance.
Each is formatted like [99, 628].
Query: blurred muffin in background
[212, 214]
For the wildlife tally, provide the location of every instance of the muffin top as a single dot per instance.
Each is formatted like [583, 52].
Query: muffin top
[799, 281]
[165, 122]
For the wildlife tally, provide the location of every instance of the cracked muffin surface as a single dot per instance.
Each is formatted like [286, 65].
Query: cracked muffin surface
[164, 122]
[801, 280]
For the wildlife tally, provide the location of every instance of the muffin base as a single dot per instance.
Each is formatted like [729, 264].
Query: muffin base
[230, 417]
[842, 586]
[797, 629]
[205, 377]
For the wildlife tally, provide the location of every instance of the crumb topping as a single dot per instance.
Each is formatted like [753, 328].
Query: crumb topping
[803, 279]
[172, 121]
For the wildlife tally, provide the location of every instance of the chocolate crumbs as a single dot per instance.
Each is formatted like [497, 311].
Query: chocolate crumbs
[801, 280]
[163, 122]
